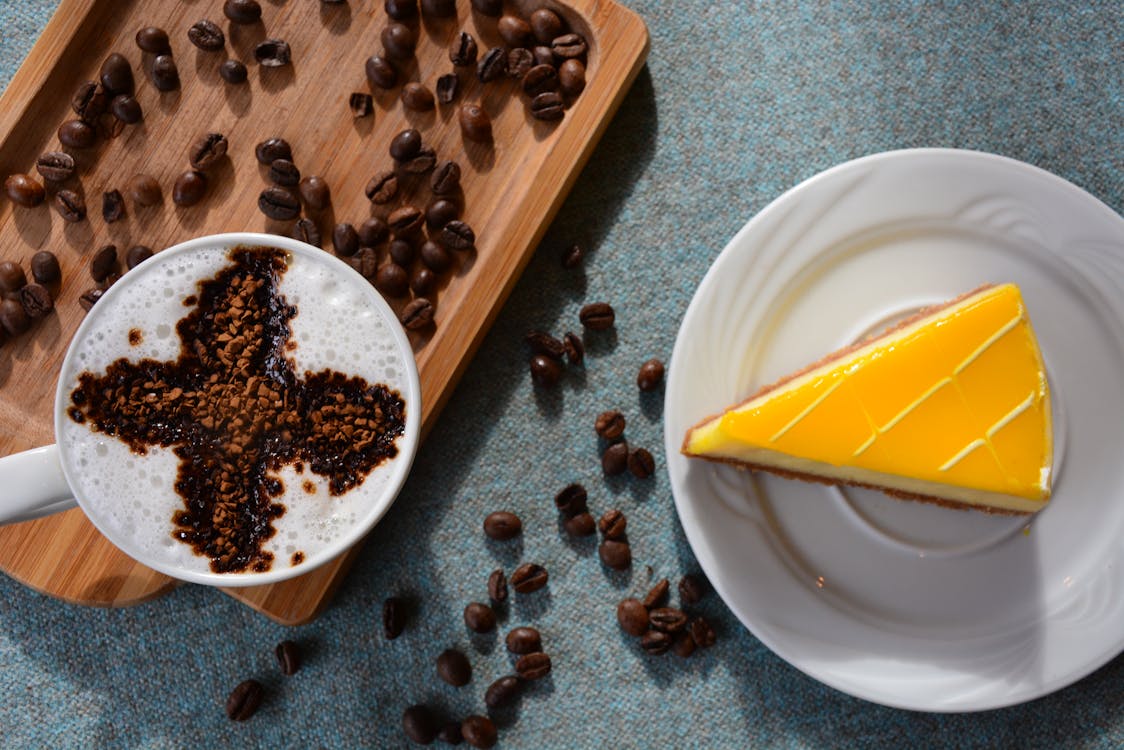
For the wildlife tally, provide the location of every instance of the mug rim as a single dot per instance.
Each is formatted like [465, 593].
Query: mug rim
[402, 462]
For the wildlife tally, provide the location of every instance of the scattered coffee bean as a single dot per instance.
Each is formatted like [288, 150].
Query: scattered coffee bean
[613, 524]
[112, 206]
[206, 35]
[492, 66]
[116, 75]
[435, 257]
[272, 149]
[189, 188]
[501, 692]
[529, 577]
[632, 616]
[447, 88]
[691, 589]
[77, 134]
[479, 731]
[546, 25]
[658, 594]
[109, 280]
[422, 163]
[417, 97]
[609, 424]
[89, 100]
[490, 8]
[446, 178]
[548, 106]
[519, 62]
[70, 205]
[306, 231]
[144, 190]
[545, 371]
[439, 213]
[136, 255]
[392, 280]
[153, 39]
[419, 724]
[380, 73]
[315, 192]
[497, 586]
[702, 633]
[615, 553]
[242, 11]
[667, 619]
[615, 459]
[207, 150]
[569, 46]
[683, 644]
[502, 525]
[650, 376]
[288, 657]
[542, 342]
[479, 618]
[417, 314]
[398, 41]
[523, 640]
[453, 668]
[13, 318]
[572, 499]
[405, 145]
[56, 166]
[373, 231]
[572, 256]
[457, 235]
[284, 173]
[533, 666]
[103, 262]
[12, 277]
[345, 239]
[405, 221]
[45, 267]
[403, 253]
[571, 77]
[656, 642]
[540, 79]
[126, 109]
[24, 190]
[464, 50]
[641, 463]
[382, 188]
[273, 53]
[401, 10]
[393, 617]
[581, 524]
[575, 349]
[597, 316]
[36, 300]
[439, 8]
[87, 300]
[279, 203]
[514, 31]
[451, 733]
[165, 74]
[544, 55]
[362, 105]
[244, 700]
[365, 261]
[233, 71]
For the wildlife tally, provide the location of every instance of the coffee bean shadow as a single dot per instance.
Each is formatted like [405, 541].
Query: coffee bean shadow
[33, 224]
[464, 261]
[540, 129]
[421, 120]
[574, 377]
[482, 156]
[169, 101]
[584, 546]
[363, 125]
[483, 643]
[275, 79]
[78, 233]
[336, 17]
[651, 404]
[5, 362]
[239, 97]
[207, 67]
[242, 38]
[550, 401]
[507, 716]
[618, 579]
[528, 607]
[441, 30]
[508, 553]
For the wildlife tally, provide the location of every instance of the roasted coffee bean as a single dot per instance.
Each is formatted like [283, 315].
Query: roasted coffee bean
[683, 644]
[45, 267]
[435, 257]
[667, 619]
[533, 666]
[546, 25]
[392, 280]
[417, 314]
[453, 668]
[401, 10]
[272, 149]
[109, 280]
[575, 349]
[136, 255]
[529, 577]
[615, 459]
[702, 633]
[233, 71]
[422, 163]
[13, 318]
[56, 166]
[514, 31]
[382, 188]
[305, 230]
[571, 499]
[464, 50]
[492, 65]
[288, 657]
[273, 53]
[315, 192]
[36, 300]
[284, 173]
[103, 262]
[419, 724]
[153, 39]
[116, 75]
[656, 642]
[609, 424]
[571, 77]
[439, 213]
[206, 35]
[446, 178]
[523, 640]
[244, 700]
[112, 206]
[479, 731]
[540, 79]
[398, 41]
[70, 205]
[373, 231]
[641, 463]
[242, 11]
[345, 239]
[547, 106]
[190, 187]
[23, 190]
[479, 618]
[405, 145]
[490, 8]
[545, 371]
[691, 589]
[12, 277]
[502, 525]
[207, 150]
[572, 256]
[612, 524]
[405, 221]
[447, 88]
[451, 733]
[650, 376]
[497, 586]
[632, 616]
[457, 235]
[543, 54]
[475, 123]
[380, 73]
[402, 252]
[439, 8]
[569, 46]
[86, 301]
[393, 617]
[361, 103]
[77, 134]
[144, 190]
[581, 524]
[126, 109]
[365, 261]
[597, 316]
[165, 74]
[615, 553]
[279, 203]
[417, 97]
[502, 692]
[657, 595]
[542, 342]
[89, 101]
[519, 62]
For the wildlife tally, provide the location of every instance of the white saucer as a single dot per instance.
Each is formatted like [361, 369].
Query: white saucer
[901, 603]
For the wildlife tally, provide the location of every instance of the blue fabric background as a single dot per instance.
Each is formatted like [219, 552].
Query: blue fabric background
[739, 102]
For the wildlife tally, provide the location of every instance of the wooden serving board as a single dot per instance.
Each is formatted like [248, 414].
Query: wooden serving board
[513, 188]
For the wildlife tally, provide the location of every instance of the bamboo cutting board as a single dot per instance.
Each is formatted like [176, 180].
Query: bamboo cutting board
[513, 188]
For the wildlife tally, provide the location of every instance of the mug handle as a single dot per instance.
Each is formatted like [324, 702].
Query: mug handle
[32, 485]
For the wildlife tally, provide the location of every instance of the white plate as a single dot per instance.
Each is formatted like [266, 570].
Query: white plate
[908, 604]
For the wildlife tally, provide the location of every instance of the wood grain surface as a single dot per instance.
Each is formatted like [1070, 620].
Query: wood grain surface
[513, 187]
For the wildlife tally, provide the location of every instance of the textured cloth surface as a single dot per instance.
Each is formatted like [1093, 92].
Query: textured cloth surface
[738, 102]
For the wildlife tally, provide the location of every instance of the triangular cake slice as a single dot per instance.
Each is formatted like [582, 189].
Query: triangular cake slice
[950, 406]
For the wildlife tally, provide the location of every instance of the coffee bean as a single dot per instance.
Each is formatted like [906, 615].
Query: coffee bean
[380, 73]
[667, 619]
[45, 267]
[641, 463]
[453, 668]
[479, 618]
[541, 342]
[446, 178]
[615, 553]
[657, 595]
[89, 100]
[502, 525]
[77, 134]
[435, 257]
[533, 666]
[479, 731]
[581, 524]
[546, 25]
[569, 46]
[314, 192]
[451, 733]
[153, 39]
[345, 239]
[464, 50]
[540, 79]
[284, 173]
[702, 633]
[457, 235]
[523, 640]
[288, 657]
[12, 277]
[393, 617]
[398, 41]
[571, 77]
[545, 371]
[206, 35]
[392, 280]
[13, 318]
[501, 692]
[575, 349]
[242, 11]
[373, 231]
[23, 190]
[490, 8]
[56, 166]
[401, 10]
[447, 88]
[382, 188]
[597, 316]
[86, 301]
[244, 700]
[497, 586]
[417, 314]
[405, 145]
[103, 262]
[272, 149]
[615, 459]
[422, 163]
[144, 190]
[136, 255]
[116, 75]
[571, 499]
[190, 187]
[362, 105]
[656, 642]
[439, 8]
[529, 577]
[279, 203]
[306, 231]
[419, 724]
[165, 74]
[439, 213]
[691, 589]
[519, 62]
[417, 97]
[632, 616]
[543, 55]
[609, 424]
[112, 206]
[404, 221]
[36, 300]
[492, 65]
[402, 252]
[126, 109]
[547, 106]
[207, 150]
[70, 205]
[514, 31]
[233, 71]
[683, 644]
[273, 53]
[613, 524]
[365, 261]
[650, 376]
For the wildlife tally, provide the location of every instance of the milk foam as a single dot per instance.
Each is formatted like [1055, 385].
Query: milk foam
[337, 326]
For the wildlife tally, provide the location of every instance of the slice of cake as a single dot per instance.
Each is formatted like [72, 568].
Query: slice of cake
[950, 406]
